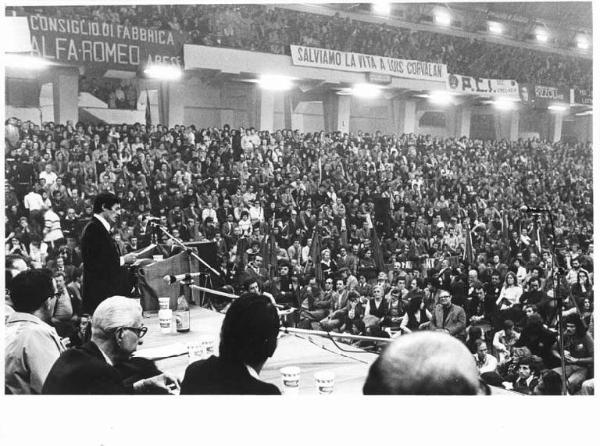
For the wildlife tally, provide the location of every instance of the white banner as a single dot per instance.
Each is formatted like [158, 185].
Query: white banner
[482, 86]
[367, 63]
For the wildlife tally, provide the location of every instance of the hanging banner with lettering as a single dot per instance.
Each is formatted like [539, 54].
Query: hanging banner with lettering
[110, 45]
[482, 86]
[583, 97]
[551, 93]
[366, 63]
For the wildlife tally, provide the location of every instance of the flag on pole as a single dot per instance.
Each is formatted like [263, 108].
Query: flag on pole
[505, 233]
[320, 171]
[536, 238]
[148, 114]
[468, 255]
[377, 251]
[315, 254]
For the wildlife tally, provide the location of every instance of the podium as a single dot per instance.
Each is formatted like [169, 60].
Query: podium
[150, 275]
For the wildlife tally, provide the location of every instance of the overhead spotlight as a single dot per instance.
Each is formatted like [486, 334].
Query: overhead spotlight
[366, 91]
[382, 8]
[541, 35]
[440, 97]
[503, 104]
[495, 28]
[275, 82]
[557, 108]
[583, 42]
[163, 72]
[443, 18]
[25, 62]
[585, 113]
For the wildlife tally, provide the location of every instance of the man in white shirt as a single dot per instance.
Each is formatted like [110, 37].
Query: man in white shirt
[209, 211]
[31, 345]
[33, 201]
[48, 175]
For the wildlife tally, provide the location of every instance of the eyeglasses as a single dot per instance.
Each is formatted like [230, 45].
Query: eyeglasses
[139, 331]
[444, 296]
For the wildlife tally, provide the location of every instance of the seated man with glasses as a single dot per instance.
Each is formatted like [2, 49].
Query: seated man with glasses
[31, 345]
[449, 318]
[103, 365]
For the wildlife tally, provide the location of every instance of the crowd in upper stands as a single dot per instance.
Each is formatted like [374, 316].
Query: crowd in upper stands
[270, 29]
[364, 233]
[122, 94]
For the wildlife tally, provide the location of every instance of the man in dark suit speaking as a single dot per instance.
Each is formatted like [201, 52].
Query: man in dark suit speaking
[102, 273]
[248, 338]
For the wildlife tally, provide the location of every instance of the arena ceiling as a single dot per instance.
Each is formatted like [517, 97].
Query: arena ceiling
[569, 14]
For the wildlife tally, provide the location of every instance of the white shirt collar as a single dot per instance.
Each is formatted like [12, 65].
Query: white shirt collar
[104, 354]
[251, 371]
[103, 221]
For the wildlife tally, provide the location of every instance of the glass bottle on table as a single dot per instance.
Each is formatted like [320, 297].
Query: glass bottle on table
[182, 313]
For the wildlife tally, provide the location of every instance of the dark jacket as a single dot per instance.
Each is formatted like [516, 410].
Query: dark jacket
[216, 376]
[455, 321]
[102, 274]
[84, 371]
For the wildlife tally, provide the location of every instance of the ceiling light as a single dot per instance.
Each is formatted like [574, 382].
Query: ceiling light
[585, 113]
[25, 62]
[495, 28]
[163, 72]
[382, 8]
[503, 104]
[275, 82]
[557, 108]
[440, 97]
[443, 18]
[583, 42]
[541, 35]
[366, 91]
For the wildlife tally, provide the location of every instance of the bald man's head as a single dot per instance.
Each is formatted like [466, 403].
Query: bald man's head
[424, 363]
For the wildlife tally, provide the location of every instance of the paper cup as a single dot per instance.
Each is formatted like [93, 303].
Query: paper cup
[324, 382]
[291, 380]
[164, 303]
[165, 318]
[203, 348]
[157, 258]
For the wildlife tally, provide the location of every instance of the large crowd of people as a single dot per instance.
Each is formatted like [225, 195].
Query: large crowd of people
[270, 29]
[364, 233]
[117, 93]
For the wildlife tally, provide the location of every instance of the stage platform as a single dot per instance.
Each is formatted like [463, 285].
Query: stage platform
[310, 353]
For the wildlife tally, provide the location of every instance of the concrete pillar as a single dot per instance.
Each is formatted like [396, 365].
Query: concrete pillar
[514, 125]
[261, 107]
[462, 122]
[452, 120]
[403, 115]
[288, 111]
[507, 125]
[336, 112]
[556, 121]
[65, 95]
[171, 103]
[267, 110]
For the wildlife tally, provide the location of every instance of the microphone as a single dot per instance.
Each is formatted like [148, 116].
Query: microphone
[532, 210]
[171, 279]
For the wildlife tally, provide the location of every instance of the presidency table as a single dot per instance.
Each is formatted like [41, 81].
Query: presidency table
[311, 353]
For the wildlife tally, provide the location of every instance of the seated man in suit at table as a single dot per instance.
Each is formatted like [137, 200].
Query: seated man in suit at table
[248, 338]
[104, 364]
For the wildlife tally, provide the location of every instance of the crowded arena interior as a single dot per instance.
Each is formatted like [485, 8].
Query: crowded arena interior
[284, 199]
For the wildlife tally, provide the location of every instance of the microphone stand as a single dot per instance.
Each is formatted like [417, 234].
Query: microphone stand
[188, 250]
[559, 304]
